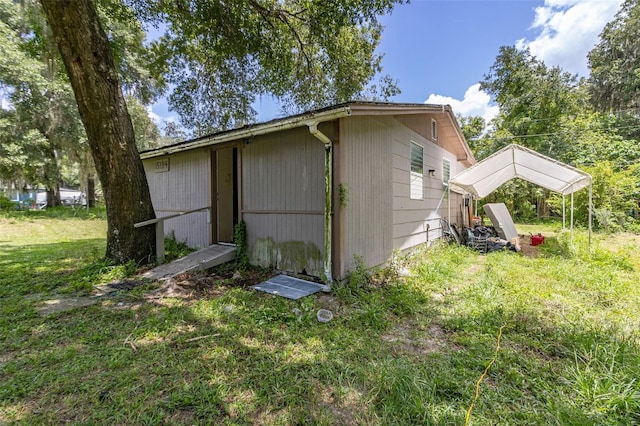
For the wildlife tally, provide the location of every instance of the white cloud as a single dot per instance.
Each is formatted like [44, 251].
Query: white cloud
[475, 103]
[159, 113]
[153, 116]
[568, 30]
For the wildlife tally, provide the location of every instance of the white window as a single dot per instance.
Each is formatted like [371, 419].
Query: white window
[417, 170]
[434, 130]
[446, 171]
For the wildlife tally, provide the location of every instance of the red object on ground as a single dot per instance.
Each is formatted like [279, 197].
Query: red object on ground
[537, 239]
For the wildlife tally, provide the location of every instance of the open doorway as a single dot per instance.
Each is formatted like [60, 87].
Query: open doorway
[224, 184]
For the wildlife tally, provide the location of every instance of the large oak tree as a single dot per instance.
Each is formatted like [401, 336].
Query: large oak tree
[220, 56]
[89, 62]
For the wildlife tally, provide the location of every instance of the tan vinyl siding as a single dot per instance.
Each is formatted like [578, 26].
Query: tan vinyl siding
[418, 221]
[283, 200]
[184, 187]
[366, 174]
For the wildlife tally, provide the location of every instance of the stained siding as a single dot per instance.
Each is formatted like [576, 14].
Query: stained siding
[283, 200]
[184, 187]
[365, 172]
[418, 221]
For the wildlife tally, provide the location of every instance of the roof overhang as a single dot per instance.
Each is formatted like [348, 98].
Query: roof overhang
[314, 118]
[251, 131]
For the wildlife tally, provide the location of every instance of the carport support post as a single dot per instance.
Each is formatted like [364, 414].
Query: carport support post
[564, 213]
[449, 204]
[590, 209]
[571, 239]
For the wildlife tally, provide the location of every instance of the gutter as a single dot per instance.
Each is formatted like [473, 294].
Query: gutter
[328, 200]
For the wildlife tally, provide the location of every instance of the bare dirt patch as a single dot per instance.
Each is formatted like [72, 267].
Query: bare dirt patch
[345, 406]
[328, 302]
[526, 248]
[408, 338]
[53, 306]
[208, 284]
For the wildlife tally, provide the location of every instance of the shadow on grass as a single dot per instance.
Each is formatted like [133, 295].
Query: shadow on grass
[248, 358]
[49, 268]
[243, 357]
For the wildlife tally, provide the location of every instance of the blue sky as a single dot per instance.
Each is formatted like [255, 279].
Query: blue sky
[439, 50]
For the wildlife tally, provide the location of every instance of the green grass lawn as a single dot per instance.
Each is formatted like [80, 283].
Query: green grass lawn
[399, 351]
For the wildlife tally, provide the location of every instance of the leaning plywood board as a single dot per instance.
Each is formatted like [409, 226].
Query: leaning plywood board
[501, 220]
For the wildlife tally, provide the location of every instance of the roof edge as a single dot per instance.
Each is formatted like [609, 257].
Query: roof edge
[316, 116]
[313, 117]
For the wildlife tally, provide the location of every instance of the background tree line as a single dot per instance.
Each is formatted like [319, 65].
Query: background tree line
[592, 123]
[213, 59]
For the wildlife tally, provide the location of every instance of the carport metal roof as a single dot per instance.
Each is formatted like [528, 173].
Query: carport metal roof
[515, 161]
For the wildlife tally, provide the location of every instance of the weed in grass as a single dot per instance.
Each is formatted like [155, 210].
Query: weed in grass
[175, 249]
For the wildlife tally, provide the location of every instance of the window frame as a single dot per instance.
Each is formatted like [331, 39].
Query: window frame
[416, 178]
[434, 129]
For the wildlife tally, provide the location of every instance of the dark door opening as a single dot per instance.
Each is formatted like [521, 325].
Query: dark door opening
[226, 195]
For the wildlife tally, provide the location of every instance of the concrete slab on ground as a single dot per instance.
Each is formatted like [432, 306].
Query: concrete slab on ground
[199, 260]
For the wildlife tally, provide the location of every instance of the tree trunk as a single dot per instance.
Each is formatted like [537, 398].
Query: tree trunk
[91, 192]
[88, 59]
[53, 196]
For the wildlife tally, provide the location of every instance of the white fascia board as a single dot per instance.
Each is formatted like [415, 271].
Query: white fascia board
[252, 131]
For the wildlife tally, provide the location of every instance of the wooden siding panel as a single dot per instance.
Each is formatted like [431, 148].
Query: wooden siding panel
[283, 171]
[292, 242]
[408, 241]
[400, 162]
[366, 173]
[184, 187]
[283, 200]
[400, 175]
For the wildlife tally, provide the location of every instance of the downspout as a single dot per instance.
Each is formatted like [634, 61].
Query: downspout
[328, 201]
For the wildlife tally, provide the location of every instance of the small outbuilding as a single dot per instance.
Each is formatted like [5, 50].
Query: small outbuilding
[317, 189]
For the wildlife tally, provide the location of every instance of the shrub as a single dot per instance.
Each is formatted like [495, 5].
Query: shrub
[6, 204]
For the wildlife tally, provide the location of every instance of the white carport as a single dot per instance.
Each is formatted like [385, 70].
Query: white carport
[515, 161]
